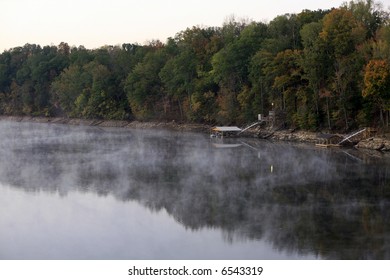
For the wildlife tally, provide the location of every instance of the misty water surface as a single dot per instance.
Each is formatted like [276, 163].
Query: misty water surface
[89, 193]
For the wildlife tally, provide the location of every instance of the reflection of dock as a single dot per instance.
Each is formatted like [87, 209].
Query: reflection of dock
[328, 145]
[249, 146]
[221, 145]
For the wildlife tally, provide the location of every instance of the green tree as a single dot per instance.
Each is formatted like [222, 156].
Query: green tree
[317, 68]
[178, 76]
[99, 99]
[144, 88]
[80, 56]
[370, 14]
[261, 82]
[194, 52]
[379, 47]
[231, 69]
[33, 69]
[5, 59]
[283, 34]
[67, 88]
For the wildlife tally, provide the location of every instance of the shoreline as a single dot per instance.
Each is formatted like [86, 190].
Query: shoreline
[287, 135]
[111, 123]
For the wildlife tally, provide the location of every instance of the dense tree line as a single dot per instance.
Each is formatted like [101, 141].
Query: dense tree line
[316, 69]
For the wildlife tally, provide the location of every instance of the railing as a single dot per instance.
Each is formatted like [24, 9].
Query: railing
[249, 127]
[351, 135]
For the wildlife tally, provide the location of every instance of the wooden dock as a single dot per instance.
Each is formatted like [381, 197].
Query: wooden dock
[225, 131]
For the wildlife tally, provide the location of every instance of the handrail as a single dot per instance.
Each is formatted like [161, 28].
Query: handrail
[351, 135]
[252, 125]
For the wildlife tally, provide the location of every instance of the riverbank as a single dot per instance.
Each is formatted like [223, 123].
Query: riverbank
[107, 123]
[372, 143]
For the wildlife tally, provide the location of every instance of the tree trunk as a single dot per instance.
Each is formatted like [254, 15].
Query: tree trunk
[328, 111]
[180, 109]
[345, 118]
[381, 117]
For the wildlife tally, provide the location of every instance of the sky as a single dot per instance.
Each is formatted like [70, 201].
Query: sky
[95, 23]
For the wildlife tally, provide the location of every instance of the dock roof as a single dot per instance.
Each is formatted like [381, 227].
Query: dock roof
[227, 129]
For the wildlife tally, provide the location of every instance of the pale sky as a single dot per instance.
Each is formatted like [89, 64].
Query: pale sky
[95, 23]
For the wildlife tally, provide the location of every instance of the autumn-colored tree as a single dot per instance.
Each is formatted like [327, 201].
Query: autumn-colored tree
[312, 66]
[377, 85]
[342, 33]
[289, 82]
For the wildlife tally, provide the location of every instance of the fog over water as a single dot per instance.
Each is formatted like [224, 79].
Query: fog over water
[73, 192]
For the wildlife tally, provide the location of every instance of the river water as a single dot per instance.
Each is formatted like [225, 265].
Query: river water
[73, 192]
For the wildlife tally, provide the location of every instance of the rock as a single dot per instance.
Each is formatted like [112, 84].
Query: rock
[374, 143]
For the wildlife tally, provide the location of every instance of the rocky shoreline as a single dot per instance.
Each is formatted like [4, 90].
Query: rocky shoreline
[372, 143]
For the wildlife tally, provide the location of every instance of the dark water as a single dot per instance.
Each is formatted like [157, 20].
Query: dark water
[87, 193]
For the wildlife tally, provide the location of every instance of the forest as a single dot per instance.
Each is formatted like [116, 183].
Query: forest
[323, 69]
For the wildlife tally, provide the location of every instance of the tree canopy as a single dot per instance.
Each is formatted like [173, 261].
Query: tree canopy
[316, 69]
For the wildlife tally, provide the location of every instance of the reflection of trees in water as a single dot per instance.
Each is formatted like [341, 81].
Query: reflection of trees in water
[302, 200]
